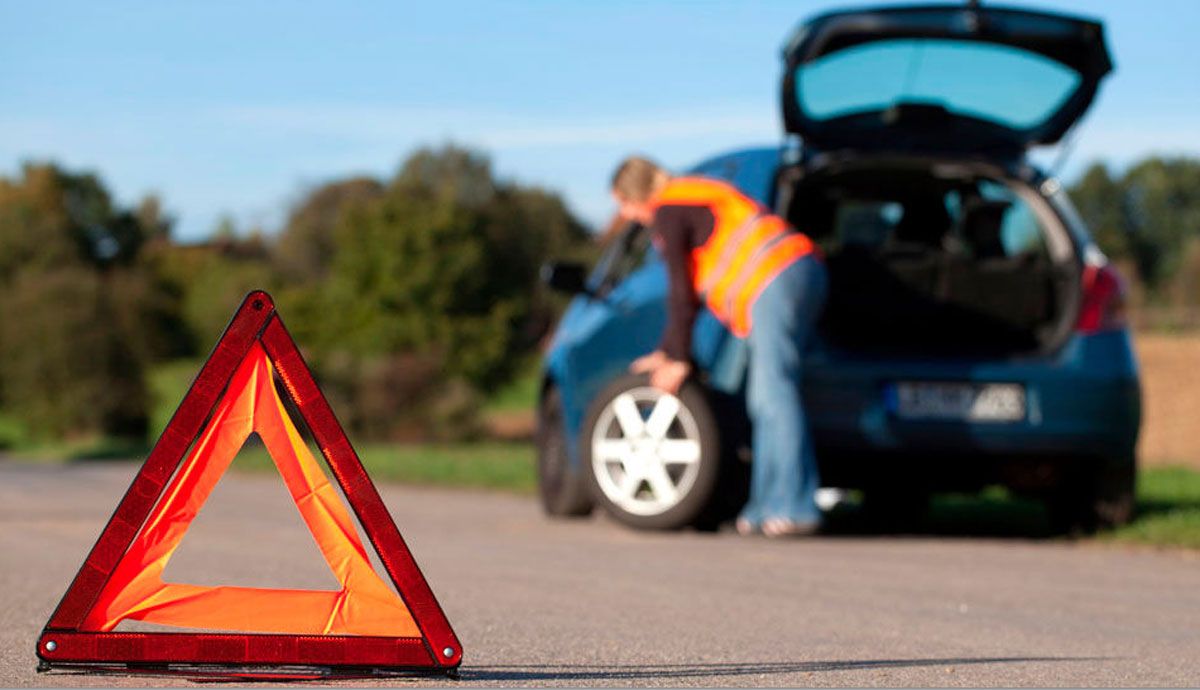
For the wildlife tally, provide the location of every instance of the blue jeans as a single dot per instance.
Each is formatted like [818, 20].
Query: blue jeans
[784, 477]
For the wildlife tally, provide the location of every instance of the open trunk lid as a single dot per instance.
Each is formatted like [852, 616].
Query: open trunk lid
[942, 77]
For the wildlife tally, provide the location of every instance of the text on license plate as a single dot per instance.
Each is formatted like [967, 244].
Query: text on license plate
[976, 402]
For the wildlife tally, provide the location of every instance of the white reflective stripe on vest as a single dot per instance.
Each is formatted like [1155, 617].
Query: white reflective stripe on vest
[748, 269]
[729, 252]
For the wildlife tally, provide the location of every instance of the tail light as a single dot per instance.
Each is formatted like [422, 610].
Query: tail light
[1103, 307]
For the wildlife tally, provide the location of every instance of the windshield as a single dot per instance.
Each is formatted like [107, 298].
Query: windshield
[627, 253]
[1005, 85]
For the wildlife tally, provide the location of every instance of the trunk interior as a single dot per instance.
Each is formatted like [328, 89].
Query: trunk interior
[936, 261]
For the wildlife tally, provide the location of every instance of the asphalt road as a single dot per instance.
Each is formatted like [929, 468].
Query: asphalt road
[590, 603]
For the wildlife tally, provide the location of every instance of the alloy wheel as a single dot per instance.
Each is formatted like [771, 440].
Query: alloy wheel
[646, 451]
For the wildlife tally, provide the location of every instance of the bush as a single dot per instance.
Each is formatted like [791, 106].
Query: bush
[65, 367]
[73, 306]
[400, 397]
[435, 273]
[414, 298]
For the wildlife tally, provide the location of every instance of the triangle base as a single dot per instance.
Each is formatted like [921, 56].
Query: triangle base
[174, 652]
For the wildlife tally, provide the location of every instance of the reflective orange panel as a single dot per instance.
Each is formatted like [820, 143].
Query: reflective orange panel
[364, 605]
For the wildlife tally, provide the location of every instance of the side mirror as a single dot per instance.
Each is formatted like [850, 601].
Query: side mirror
[565, 276]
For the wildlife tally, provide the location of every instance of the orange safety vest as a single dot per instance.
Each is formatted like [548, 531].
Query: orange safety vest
[748, 247]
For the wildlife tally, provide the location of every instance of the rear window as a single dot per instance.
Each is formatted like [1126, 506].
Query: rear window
[984, 220]
[1000, 84]
[1020, 232]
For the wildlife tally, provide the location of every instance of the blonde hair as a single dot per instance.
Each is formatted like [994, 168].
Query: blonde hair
[638, 178]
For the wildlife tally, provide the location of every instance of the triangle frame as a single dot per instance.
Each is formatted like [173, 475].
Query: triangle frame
[66, 642]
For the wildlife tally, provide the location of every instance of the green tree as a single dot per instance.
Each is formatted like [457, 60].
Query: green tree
[207, 281]
[1163, 197]
[37, 228]
[49, 216]
[306, 245]
[304, 251]
[413, 272]
[1149, 214]
[67, 371]
[72, 348]
[425, 293]
[1100, 201]
[415, 296]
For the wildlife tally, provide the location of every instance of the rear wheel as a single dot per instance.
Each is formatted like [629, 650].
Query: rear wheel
[1094, 498]
[653, 459]
[896, 509]
[562, 487]
[1115, 501]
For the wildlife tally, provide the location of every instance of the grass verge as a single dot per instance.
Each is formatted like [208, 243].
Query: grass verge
[1168, 514]
[485, 465]
[1168, 497]
[1168, 509]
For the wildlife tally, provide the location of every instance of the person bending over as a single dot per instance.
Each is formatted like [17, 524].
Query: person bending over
[766, 282]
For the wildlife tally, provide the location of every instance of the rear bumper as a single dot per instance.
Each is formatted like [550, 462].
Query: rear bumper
[1024, 471]
[1083, 405]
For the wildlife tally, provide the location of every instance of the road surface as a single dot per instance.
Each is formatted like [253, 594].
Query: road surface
[590, 603]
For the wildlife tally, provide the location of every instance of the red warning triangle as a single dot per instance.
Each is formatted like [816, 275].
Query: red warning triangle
[363, 625]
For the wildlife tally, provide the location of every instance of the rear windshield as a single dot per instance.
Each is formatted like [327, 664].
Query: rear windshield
[1001, 84]
[984, 220]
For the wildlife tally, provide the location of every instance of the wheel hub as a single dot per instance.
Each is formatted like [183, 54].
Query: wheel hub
[646, 451]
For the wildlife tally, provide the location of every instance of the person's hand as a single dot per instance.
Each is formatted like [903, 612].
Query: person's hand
[648, 363]
[670, 375]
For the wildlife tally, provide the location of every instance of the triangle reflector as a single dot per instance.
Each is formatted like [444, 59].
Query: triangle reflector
[362, 625]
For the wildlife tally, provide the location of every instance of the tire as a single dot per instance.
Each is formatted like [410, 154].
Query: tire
[1115, 501]
[678, 461]
[562, 487]
[1093, 498]
[896, 509]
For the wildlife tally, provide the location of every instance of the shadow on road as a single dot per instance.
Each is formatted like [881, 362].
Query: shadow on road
[616, 674]
[989, 514]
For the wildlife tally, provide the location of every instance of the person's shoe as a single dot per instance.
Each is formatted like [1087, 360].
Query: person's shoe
[783, 528]
[746, 528]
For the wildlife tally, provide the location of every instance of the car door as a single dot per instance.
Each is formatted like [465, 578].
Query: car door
[623, 318]
[620, 317]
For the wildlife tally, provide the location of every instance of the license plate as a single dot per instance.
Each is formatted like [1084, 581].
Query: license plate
[972, 402]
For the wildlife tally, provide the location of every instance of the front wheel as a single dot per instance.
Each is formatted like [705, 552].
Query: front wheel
[652, 459]
[562, 487]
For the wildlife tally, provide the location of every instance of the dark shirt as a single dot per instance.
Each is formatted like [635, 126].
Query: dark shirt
[678, 229]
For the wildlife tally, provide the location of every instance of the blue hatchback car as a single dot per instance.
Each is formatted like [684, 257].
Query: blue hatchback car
[974, 333]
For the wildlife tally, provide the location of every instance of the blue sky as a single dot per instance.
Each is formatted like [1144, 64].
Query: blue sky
[239, 107]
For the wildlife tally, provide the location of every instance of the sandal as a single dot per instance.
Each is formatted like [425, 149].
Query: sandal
[778, 528]
[746, 528]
